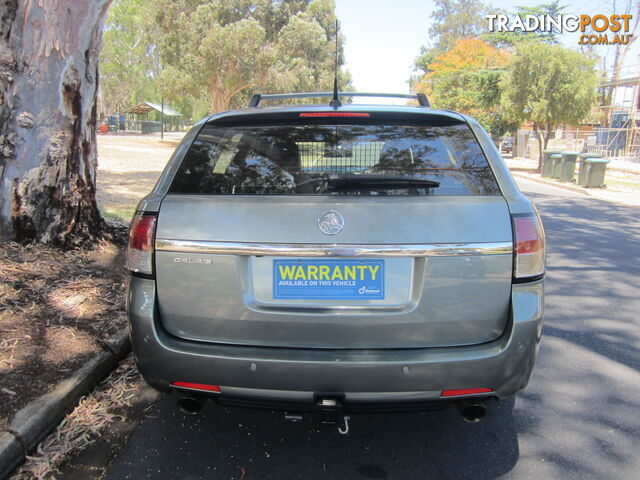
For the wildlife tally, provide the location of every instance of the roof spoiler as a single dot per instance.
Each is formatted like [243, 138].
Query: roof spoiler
[422, 99]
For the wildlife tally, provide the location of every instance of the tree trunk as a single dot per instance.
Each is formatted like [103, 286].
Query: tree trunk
[48, 85]
[216, 99]
[538, 133]
[545, 145]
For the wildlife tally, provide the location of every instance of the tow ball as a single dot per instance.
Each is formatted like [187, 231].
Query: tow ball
[331, 411]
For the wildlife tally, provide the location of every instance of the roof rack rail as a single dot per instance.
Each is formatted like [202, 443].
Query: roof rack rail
[422, 99]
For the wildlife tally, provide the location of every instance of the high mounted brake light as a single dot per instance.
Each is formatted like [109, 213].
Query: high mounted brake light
[335, 114]
[529, 251]
[140, 250]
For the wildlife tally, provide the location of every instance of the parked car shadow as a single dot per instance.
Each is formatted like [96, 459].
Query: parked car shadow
[593, 260]
[238, 443]
[583, 394]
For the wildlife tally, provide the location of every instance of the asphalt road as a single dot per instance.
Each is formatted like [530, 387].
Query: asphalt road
[579, 417]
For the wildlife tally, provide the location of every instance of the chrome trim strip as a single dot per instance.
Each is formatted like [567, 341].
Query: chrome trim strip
[334, 250]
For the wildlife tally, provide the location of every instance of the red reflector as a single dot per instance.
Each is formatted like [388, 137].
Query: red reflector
[464, 391]
[197, 386]
[334, 114]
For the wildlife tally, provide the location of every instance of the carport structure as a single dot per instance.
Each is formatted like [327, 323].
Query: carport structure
[140, 121]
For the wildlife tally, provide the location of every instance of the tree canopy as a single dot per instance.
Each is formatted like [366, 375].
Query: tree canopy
[128, 64]
[210, 55]
[510, 39]
[453, 20]
[549, 85]
[467, 79]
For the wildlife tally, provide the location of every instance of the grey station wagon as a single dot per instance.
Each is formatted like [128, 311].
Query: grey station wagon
[335, 259]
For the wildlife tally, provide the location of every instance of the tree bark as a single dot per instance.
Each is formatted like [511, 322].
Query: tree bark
[542, 135]
[48, 86]
[538, 133]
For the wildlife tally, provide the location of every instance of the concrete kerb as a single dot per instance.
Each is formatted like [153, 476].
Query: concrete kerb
[591, 192]
[39, 417]
[566, 186]
[11, 453]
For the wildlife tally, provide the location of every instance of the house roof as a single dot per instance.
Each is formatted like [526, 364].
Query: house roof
[146, 107]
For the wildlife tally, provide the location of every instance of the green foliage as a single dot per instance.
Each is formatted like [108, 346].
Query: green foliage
[223, 51]
[128, 65]
[491, 112]
[426, 58]
[210, 55]
[549, 85]
[475, 93]
[511, 39]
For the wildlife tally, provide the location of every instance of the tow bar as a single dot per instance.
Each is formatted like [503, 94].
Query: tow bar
[331, 412]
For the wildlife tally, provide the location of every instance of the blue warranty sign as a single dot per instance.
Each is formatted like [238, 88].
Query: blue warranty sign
[310, 279]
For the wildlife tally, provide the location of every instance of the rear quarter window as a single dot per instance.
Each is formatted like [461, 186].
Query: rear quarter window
[346, 159]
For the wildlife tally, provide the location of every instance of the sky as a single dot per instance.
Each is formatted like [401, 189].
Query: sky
[383, 37]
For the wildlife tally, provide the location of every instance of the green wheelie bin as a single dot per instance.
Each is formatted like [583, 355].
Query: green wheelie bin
[547, 164]
[555, 161]
[595, 170]
[568, 166]
[582, 169]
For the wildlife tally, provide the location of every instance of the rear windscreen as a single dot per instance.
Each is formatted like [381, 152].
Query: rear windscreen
[335, 160]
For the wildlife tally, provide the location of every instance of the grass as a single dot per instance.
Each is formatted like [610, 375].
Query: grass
[118, 214]
[618, 182]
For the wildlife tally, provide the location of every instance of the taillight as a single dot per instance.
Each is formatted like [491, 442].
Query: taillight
[529, 257]
[140, 251]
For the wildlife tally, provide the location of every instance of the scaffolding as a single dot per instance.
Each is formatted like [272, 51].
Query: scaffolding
[613, 130]
[619, 135]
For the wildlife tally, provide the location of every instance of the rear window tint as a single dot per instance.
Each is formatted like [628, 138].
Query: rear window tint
[335, 160]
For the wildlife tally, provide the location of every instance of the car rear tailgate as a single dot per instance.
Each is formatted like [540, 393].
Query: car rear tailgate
[447, 269]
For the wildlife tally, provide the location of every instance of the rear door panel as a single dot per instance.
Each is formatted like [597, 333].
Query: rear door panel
[428, 301]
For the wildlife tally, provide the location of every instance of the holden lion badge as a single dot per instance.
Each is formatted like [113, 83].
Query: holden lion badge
[330, 222]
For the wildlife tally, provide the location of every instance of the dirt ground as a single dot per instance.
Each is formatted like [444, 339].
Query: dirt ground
[128, 167]
[55, 307]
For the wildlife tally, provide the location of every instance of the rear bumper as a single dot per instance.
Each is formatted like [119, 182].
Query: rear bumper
[359, 376]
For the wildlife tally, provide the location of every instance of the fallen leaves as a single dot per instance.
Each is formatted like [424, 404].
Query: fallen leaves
[55, 308]
[85, 424]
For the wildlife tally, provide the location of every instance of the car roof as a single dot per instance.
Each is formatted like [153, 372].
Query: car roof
[257, 113]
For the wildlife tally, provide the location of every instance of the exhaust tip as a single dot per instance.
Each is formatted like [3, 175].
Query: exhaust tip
[190, 405]
[472, 412]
